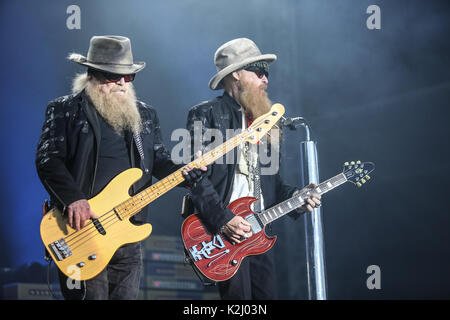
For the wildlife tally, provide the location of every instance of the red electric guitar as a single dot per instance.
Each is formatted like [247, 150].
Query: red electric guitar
[218, 259]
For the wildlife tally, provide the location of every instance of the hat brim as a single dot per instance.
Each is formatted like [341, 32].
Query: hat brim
[216, 82]
[111, 68]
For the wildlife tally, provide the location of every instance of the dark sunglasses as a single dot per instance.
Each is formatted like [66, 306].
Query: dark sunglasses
[260, 72]
[107, 77]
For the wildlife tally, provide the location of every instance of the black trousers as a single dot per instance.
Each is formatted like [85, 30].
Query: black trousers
[254, 280]
[118, 281]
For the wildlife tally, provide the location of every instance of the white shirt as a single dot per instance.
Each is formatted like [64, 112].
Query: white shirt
[241, 186]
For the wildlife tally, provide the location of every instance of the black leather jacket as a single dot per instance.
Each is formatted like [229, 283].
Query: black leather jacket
[212, 195]
[67, 152]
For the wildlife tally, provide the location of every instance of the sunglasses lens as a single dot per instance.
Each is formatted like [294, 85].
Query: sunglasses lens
[260, 73]
[117, 77]
[112, 77]
[129, 77]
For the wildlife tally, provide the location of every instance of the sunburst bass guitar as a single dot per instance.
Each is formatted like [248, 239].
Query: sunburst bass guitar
[218, 259]
[82, 254]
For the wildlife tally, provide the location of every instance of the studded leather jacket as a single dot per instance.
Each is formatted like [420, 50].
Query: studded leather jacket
[212, 195]
[67, 152]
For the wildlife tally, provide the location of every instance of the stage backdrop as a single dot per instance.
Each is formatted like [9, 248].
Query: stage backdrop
[374, 86]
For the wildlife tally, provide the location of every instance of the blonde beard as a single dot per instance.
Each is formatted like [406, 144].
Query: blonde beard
[256, 102]
[120, 112]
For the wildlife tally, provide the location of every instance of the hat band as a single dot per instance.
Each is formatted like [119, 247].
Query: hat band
[258, 64]
[112, 64]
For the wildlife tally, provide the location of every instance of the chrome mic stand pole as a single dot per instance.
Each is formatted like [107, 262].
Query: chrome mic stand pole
[315, 256]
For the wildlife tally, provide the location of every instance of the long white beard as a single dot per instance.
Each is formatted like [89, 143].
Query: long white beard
[120, 112]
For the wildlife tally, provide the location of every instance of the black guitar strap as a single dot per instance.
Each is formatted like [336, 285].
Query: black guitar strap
[204, 280]
[138, 141]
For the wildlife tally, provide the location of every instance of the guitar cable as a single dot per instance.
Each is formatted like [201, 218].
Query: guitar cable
[48, 280]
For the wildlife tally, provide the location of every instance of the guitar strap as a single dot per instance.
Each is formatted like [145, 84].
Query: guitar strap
[256, 173]
[139, 145]
[254, 169]
[204, 280]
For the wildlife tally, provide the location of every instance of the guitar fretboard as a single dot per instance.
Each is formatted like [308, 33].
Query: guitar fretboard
[297, 201]
[145, 197]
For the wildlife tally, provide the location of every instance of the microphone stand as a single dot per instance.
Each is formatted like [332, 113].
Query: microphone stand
[315, 257]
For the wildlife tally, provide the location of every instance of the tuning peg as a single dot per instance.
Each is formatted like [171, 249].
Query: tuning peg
[359, 184]
[367, 177]
[346, 164]
[352, 163]
[358, 162]
[363, 180]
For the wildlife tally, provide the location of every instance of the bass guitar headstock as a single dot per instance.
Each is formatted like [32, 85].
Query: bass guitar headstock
[264, 123]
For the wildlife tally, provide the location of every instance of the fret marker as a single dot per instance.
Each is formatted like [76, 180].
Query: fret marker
[329, 184]
[279, 209]
[290, 206]
[318, 189]
[269, 214]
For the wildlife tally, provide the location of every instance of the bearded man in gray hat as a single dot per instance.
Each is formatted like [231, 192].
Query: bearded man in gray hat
[91, 136]
[242, 71]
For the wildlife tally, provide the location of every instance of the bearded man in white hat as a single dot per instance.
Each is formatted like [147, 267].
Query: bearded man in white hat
[242, 71]
[91, 136]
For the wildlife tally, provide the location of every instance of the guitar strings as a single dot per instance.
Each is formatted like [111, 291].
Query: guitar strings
[336, 181]
[90, 226]
[102, 219]
[130, 204]
[210, 157]
[151, 195]
[297, 203]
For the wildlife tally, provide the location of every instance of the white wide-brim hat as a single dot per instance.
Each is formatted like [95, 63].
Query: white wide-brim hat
[110, 54]
[234, 55]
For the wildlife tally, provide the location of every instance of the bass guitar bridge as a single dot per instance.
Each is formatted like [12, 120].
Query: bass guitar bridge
[60, 249]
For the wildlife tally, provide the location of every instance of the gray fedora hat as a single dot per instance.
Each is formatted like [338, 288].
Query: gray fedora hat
[111, 54]
[234, 55]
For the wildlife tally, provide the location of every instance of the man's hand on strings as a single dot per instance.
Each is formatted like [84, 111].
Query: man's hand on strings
[78, 212]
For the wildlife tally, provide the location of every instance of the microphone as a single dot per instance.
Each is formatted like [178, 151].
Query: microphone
[290, 122]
